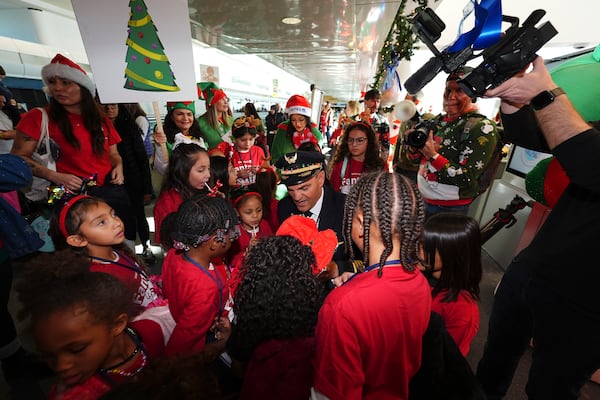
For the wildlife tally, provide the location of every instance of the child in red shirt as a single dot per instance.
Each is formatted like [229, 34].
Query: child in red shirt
[89, 226]
[188, 173]
[80, 325]
[248, 205]
[246, 157]
[195, 279]
[357, 153]
[370, 329]
[452, 255]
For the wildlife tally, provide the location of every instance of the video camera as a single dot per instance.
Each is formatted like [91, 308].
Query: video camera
[510, 55]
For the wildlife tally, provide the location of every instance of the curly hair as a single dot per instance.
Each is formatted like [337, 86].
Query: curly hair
[202, 216]
[457, 240]
[180, 164]
[278, 296]
[395, 206]
[52, 283]
[373, 161]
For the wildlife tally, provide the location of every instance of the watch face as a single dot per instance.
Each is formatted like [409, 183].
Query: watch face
[542, 100]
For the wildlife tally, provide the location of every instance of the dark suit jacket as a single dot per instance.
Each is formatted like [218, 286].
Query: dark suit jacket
[331, 217]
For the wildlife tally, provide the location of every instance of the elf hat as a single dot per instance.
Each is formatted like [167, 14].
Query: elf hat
[64, 68]
[298, 105]
[188, 105]
[322, 243]
[210, 92]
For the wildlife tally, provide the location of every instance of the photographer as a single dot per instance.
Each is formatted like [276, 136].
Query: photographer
[549, 291]
[379, 123]
[456, 153]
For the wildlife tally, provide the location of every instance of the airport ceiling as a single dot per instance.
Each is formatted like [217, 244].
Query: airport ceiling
[336, 42]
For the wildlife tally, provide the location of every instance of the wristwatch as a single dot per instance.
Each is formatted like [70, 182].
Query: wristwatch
[545, 98]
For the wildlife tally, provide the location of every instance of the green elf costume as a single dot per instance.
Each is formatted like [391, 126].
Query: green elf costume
[214, 135]
[162, 154]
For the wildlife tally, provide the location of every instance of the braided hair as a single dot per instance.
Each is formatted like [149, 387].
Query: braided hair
[201, 217]
[393, 204]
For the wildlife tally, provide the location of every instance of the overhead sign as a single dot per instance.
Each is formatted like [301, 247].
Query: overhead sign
[140, 50]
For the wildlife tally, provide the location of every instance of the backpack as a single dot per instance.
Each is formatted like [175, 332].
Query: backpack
[489, 174]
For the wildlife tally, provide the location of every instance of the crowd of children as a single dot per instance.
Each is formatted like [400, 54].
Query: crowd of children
[242, 296]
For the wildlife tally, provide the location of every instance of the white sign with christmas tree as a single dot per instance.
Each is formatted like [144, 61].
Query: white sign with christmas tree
[139, 50]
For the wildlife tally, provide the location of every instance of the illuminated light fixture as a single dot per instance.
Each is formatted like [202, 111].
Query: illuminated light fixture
[291, 20]
[375, 13]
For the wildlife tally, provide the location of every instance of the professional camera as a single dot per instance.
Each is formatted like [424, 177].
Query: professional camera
[418, 137]
[406, 111]
[511, 54]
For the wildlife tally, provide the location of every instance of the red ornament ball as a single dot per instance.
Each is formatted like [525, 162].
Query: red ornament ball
[147, 60]
[141, 35]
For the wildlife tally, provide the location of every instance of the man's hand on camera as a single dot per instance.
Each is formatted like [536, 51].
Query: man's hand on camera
[520, 89]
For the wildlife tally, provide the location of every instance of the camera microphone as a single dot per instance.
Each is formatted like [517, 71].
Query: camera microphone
[424, 75]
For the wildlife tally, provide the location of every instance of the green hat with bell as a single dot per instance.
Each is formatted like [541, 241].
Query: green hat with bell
[210, 92]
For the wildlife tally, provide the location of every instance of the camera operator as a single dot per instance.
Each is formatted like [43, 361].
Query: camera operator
[549, 291]
[456, 153]
[379, 123]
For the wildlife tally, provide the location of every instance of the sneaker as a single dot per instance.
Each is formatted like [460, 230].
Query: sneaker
[148, 256]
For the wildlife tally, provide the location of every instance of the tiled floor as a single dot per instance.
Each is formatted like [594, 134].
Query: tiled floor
[491, 277]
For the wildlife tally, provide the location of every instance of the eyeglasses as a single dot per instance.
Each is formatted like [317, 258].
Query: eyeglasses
[359, 140]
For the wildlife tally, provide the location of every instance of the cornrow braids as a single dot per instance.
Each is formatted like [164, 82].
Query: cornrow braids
[395, 206]
[201, 217]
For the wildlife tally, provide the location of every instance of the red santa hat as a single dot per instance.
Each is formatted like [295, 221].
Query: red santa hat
[298, 105]
[64, 68]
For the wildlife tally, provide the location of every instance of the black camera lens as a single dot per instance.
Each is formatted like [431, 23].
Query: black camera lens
[417, 138]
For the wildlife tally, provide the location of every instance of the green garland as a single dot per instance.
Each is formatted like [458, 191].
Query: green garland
[400, 41]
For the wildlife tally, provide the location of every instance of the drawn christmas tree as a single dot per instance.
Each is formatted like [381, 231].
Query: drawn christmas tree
[148, 67]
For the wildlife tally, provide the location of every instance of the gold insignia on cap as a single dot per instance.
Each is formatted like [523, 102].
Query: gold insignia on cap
[291, 159]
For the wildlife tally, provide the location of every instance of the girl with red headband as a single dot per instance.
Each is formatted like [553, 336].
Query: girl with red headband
[249, 207]
[89, 226]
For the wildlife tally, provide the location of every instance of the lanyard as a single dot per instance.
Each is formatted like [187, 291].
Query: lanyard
[372, 267]
[242, 158]
[215, 278]
[131, 265]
